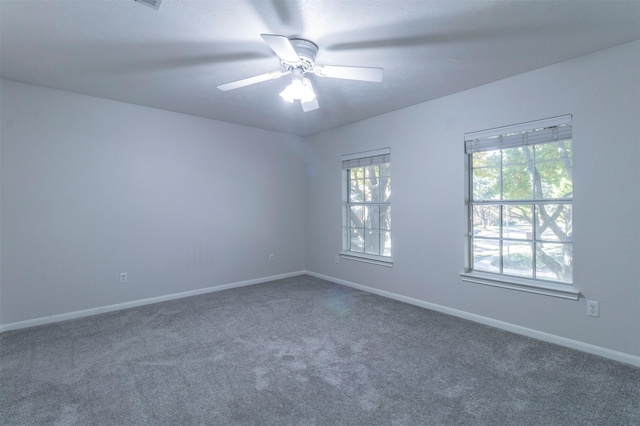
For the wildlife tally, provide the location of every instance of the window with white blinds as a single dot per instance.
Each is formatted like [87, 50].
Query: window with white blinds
[366, 215]
[520, 201]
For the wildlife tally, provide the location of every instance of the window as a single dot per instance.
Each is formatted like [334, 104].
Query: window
[520, 203]
[366, 218]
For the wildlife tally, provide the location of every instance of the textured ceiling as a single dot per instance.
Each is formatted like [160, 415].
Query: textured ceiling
[173, 58]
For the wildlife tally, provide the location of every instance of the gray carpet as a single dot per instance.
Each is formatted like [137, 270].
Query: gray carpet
[301, 351]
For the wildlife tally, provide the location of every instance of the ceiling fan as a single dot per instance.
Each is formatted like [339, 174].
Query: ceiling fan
[297, 57]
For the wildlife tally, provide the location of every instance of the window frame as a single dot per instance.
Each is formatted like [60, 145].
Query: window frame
[346, 253]
[493, 140]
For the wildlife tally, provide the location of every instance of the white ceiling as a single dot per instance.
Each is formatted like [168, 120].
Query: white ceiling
[173, 58]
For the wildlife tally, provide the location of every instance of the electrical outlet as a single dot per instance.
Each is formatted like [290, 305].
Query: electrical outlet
[337, 259]
[123, 277]
[593, 308]
[272, 258]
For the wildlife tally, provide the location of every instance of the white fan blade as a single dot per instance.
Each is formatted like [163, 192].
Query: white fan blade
[252, 80]
[349, 73]
[310, 105]
[282, 47]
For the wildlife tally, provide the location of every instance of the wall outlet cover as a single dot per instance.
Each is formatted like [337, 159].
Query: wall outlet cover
[593, 308]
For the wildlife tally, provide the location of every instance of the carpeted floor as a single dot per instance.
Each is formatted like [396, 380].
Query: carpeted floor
[301, 351]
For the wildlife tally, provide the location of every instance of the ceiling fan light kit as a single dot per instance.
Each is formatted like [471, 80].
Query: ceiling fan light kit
[297, 57]
[299, 89]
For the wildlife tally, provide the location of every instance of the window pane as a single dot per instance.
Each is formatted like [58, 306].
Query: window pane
[371, 190]
[371, 171]
[385, 189]
[554, 262]
[385, 217]
[486, 221]
[516, 183]
[520, 155]
[486, 184]
[356, 219]
[356, 190]
[357, 173]
[486, 159]
[356, 240]
[554, 222]
[385, 243]
[555, 180]
[372, 217]
[553, 151]
[518, 222]
[486, 255]
[371, 242]
[517, 258]
[385, 169]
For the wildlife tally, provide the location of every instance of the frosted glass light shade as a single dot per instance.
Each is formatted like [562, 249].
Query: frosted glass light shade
[300, 88]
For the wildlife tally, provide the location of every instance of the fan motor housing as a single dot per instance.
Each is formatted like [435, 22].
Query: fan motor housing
[306, 51]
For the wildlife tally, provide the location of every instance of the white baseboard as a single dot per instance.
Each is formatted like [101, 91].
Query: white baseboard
[551, 338]
[110, 308]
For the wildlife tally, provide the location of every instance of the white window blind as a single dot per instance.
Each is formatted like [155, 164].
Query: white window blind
[531, 133]
[364, 159]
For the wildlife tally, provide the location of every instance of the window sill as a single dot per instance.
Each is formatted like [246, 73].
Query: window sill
[564, 291]
[367, 258]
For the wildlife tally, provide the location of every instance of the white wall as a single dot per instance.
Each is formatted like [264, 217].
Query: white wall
[602, 91]
[92, 187]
